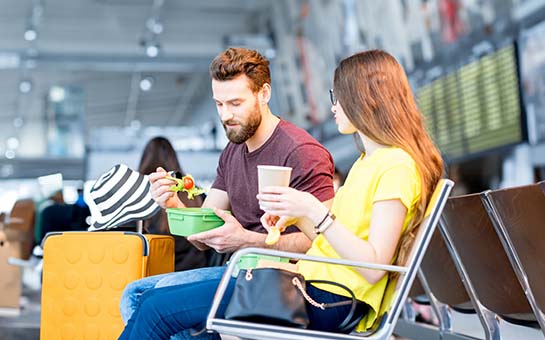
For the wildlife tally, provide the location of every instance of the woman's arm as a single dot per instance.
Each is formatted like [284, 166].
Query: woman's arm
[385, 229]
[386, 225]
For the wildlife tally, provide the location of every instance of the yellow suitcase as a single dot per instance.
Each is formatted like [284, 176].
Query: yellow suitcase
[84, 274]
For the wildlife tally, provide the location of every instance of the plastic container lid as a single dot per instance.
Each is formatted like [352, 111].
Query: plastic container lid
[189, 221]
[250, 261]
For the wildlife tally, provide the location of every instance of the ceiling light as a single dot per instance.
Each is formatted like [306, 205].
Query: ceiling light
[25, 86]
[30, 34]
[57, 94]
[18, 122]
[10, 154]
[146, 83]
[154, 26]
[12, 143]
[157, 28]
[152, 50]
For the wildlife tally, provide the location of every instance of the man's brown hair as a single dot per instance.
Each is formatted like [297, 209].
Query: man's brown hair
[236, 61]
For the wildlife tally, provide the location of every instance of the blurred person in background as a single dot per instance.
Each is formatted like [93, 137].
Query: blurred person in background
[50, 199]
[160, 153]
[57, 216]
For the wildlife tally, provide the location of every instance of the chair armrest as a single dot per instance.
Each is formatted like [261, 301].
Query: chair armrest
[295, 256]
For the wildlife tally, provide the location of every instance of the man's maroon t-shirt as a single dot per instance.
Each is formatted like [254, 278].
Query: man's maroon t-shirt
[290, 146]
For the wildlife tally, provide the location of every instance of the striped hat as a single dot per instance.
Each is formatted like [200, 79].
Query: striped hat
[120, 196]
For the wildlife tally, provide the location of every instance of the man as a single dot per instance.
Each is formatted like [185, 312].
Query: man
[241, 90]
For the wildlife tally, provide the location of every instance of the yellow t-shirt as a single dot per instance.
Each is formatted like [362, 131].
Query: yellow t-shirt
[389, 173]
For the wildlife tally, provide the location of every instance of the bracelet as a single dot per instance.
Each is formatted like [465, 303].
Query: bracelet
[322, 221]
[326, 222]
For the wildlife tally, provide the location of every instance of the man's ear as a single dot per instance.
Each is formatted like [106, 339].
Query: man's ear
[265, 94]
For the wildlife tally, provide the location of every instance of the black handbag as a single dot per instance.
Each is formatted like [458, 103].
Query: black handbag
[276, 296]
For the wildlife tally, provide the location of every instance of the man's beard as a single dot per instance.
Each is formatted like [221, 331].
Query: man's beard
[247, 129]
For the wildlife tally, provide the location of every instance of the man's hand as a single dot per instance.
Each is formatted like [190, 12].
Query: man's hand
[199, 245]
[160, 190]
[225, 239]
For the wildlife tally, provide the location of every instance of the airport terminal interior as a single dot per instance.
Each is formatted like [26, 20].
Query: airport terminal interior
[86, 84]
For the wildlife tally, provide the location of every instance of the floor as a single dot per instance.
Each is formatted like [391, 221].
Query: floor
[470, 325]
[26, 325]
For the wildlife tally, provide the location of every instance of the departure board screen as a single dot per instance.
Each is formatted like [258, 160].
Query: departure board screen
[476, 108]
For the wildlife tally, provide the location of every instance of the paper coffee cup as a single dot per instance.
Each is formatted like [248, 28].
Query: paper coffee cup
[271, 175]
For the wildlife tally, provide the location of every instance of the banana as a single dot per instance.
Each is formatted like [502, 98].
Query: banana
[273, 236]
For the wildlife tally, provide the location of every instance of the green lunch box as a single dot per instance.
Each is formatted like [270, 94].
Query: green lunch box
[189, 221]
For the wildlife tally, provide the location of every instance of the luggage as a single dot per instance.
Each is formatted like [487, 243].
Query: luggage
[21, 226]
[10, 280]
[84, 274]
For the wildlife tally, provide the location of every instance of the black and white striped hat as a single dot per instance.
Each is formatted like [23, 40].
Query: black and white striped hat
[120, 196]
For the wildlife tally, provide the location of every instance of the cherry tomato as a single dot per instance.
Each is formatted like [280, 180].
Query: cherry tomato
[188, 183]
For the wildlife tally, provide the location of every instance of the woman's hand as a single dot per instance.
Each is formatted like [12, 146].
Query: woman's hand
[290, 205]
[268, 221]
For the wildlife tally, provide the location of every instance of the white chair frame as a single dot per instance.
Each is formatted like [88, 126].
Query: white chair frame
[250, 330]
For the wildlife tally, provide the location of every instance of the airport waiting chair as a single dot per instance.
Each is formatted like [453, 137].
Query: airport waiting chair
[483, 265]
[392, 304]
[417, 294]
[417, 290]
[409, 324]
[518, 215]
[442, 284]
[441, 278]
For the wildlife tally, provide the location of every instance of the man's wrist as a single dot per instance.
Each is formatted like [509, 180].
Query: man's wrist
[254, 239]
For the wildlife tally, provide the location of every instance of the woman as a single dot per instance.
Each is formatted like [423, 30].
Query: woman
[160, 153]
[384, 197]
[385, 193]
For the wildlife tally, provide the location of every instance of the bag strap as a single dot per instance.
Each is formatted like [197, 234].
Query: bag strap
[346, 324]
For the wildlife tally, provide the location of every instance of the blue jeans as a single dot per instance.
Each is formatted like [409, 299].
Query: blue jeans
[175, 310]
[131, 298]
[164, 312]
